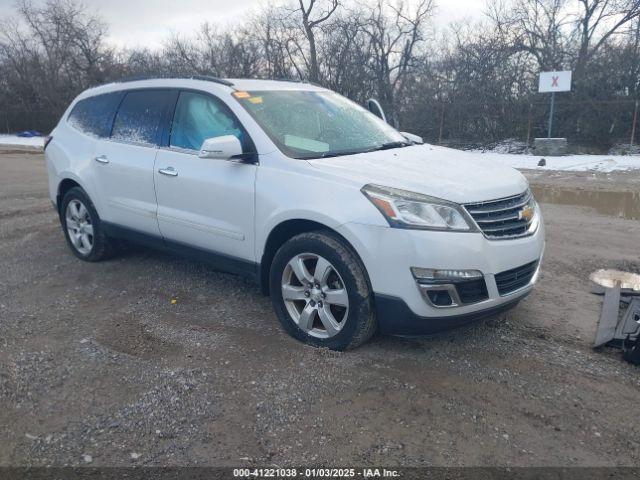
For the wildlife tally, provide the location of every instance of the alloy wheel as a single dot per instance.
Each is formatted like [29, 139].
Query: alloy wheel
[79, 226]
[315, 295]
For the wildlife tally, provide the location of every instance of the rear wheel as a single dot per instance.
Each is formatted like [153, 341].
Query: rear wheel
[82, 227]
[320, 292]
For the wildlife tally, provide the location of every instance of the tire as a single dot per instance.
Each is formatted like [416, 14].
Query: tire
[101, 246]
[333, 325]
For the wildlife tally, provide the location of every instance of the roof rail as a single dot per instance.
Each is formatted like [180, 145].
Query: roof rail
[294, 80]
[205, 78]
[284, 79]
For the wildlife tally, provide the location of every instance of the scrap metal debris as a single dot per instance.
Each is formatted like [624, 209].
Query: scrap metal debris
[630, 324]
[631, 351]
[622, 331]
[608, 317]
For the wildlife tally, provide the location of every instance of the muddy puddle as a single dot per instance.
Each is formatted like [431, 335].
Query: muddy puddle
[615, 204]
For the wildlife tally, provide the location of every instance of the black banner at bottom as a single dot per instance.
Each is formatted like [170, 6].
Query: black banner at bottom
[409, 473]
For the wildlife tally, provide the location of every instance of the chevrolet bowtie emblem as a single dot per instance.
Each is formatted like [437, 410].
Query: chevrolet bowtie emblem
[526, 213]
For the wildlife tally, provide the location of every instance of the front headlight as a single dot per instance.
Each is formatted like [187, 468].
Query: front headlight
[404, 209]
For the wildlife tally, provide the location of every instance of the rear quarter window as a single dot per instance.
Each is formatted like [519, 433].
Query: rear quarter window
[94, 115]
[140, 115]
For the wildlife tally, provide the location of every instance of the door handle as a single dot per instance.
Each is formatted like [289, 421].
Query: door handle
[170, 171]
[101, 159]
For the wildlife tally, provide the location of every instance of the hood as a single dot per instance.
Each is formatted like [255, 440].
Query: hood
[445, 173]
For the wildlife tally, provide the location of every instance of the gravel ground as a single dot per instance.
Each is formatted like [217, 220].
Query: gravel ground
[98, 367]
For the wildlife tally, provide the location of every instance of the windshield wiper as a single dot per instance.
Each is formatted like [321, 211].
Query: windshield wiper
[336, 154]
[384, 146]
[390, 145]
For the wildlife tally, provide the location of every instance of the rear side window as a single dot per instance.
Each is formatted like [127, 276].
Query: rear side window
[94, 115]
[198, 117]
[139, 116]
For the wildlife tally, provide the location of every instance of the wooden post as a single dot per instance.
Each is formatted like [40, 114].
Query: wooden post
[441, 124]
[633, 126]
[529, 126]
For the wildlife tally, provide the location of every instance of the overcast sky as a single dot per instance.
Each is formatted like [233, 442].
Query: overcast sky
[147, 22]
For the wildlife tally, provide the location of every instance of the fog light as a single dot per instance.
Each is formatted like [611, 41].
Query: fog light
[434, 275]
[440, 298]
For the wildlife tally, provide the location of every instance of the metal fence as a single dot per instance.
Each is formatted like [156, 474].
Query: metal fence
[590, 126]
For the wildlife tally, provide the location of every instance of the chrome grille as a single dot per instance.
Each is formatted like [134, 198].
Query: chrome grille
[502, 219]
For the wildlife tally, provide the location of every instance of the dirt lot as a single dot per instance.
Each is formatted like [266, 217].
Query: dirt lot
[98, 367]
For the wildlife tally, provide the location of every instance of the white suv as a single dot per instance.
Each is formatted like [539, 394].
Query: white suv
[351, 226]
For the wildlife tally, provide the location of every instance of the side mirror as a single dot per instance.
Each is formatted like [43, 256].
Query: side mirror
[226, 147]
[412, 138]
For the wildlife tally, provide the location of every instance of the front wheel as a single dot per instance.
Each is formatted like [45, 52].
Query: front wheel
[320, 292]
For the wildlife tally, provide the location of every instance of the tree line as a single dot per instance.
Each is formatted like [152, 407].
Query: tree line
[469, 83]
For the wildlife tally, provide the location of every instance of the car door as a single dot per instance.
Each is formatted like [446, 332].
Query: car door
[126, 160]
[205, 203]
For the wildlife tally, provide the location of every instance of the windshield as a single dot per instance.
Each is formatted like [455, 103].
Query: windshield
[306, 124]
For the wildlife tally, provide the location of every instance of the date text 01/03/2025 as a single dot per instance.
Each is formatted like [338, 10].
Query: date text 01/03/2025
[314, 473]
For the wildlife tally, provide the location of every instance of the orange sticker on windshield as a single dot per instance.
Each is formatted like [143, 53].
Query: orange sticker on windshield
[241, 94]
[255, 100]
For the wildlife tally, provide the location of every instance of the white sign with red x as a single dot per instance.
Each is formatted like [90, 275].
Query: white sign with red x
[555, 82]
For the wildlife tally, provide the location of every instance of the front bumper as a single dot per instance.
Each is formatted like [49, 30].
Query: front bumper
[396, 318]
[389, 253]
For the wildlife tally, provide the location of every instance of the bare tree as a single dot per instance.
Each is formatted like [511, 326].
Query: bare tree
[534, 26]
[52, 52]
[597, 22]
[310, 21]
[477, 84]
[560, 33]
[346, 52]
[394, 34]
[269, 33]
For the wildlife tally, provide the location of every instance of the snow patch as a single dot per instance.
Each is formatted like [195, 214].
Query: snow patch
[571, 163]
[14, 140]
